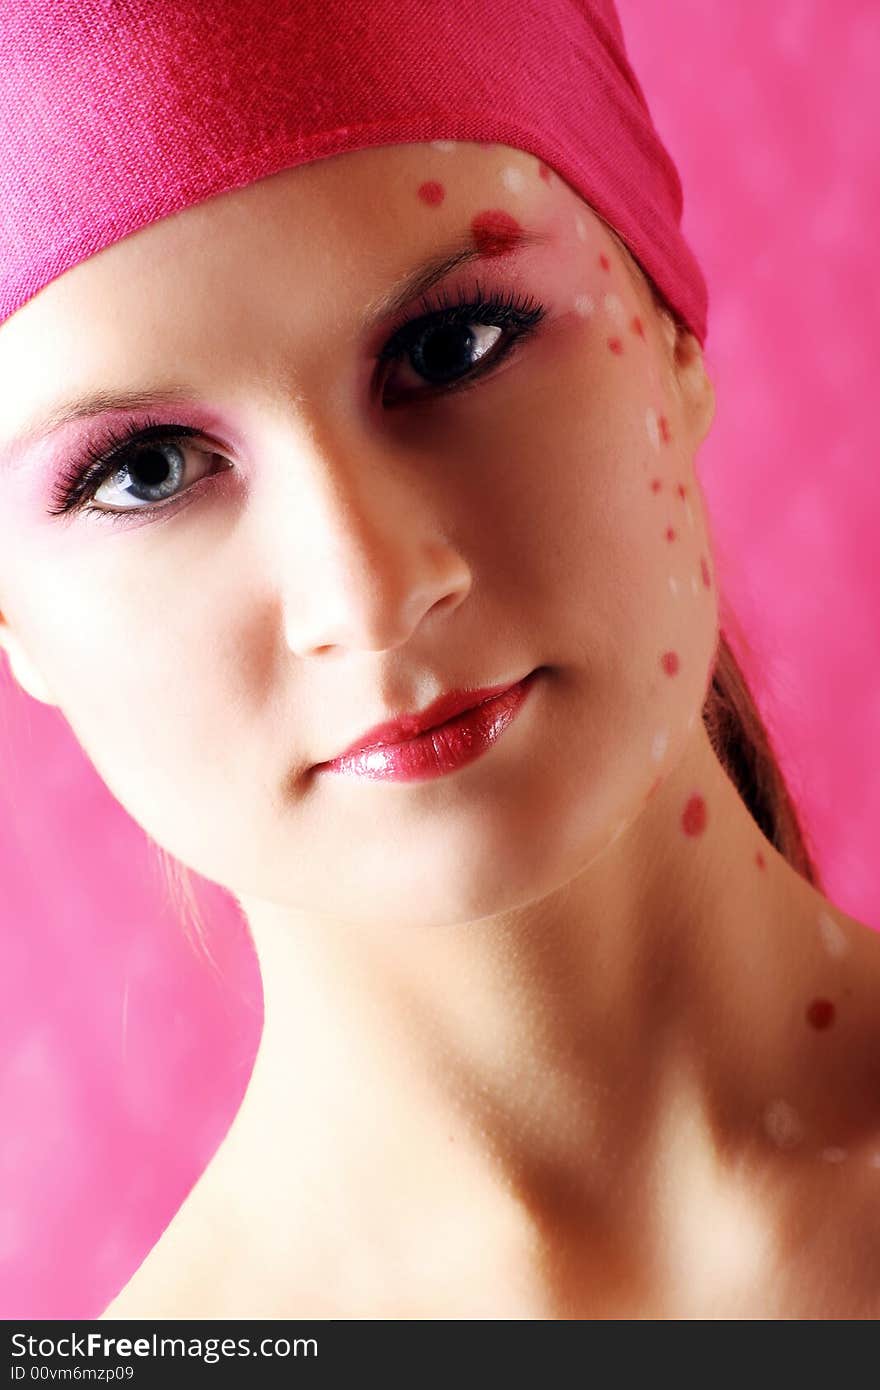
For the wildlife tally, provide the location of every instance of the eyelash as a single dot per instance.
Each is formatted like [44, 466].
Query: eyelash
[518, 315]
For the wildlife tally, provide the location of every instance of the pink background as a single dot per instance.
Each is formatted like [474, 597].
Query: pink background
[123, 1060]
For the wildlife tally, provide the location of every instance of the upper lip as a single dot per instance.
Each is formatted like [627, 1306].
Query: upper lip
[407, 726]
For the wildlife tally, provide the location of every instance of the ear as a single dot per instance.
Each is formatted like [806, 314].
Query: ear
[23, 669]
[693, 383]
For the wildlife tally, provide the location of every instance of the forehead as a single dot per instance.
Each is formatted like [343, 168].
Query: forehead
[354, 207]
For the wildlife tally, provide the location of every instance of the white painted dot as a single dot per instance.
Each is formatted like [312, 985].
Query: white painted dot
[652, 426]
[833, 1154]
[659, 745]
[613, 305]
[584, 304]
[673, 585]
[691, 722]
[695, 588]
[783, 1124]
[833, 936]
[690, 514]
[874, 1160]
[513, 178]
[580, 228]
[443, 145]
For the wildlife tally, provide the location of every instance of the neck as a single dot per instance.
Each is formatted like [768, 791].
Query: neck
[537, 1061]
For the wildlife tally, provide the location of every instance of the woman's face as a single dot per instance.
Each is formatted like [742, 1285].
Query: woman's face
[323, 554]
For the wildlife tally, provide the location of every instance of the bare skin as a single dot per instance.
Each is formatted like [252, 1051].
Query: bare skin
[556, 1035]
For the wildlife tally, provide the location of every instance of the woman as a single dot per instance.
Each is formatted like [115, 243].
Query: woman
[554, 1028]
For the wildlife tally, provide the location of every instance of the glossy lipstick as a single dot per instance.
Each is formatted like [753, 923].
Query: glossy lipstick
[446, 736]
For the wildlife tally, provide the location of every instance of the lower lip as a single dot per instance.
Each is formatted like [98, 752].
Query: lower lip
[441, 750]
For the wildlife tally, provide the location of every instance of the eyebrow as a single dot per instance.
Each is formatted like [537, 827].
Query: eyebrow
[428, 273]
[417, 282]
[84, 405]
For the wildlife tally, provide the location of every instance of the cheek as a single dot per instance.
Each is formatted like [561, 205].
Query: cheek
[135, 688]
[618, 539]
[664, 564]
[165, 731]
[593, 498]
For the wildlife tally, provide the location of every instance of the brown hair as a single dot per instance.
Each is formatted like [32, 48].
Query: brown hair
[743, 747]
[731, 718]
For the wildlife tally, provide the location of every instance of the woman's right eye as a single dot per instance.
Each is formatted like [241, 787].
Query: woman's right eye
[153, 457]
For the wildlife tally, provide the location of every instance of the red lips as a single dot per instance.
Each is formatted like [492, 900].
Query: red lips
[409, 725]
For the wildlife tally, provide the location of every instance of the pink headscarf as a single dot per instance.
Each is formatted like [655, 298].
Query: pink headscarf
[115, 113]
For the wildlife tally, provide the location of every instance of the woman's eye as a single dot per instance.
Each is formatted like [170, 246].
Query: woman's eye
[151, 474]
[139, 471]
[444, 354]
[443, 349]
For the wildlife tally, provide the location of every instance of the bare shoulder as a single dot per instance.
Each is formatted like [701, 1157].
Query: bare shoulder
[856, 933]
[181, 1274]
[209, 1264]
[850, 977]
[847, 1206]
[158, 1288]
[854, 948]
[213, 1284]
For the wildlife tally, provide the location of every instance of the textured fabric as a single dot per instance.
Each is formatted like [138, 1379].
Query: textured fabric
[115, 113]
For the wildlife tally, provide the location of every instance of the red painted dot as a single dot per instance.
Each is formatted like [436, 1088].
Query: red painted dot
[820, 1013]
[682, 491]
[615, 345]
[495, 232]
[704, 570]
[669, 662]
[636, 326]
[604, 261]
[656, 484]
[544, 172]
[432, 192]
[760, 860]
[693, 818]
[670, 533]
[664, 429]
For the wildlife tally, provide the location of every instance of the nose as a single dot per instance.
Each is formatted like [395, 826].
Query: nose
[375, 562]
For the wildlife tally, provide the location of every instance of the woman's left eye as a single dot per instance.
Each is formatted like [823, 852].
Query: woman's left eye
[446, 343]
[148, 463]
